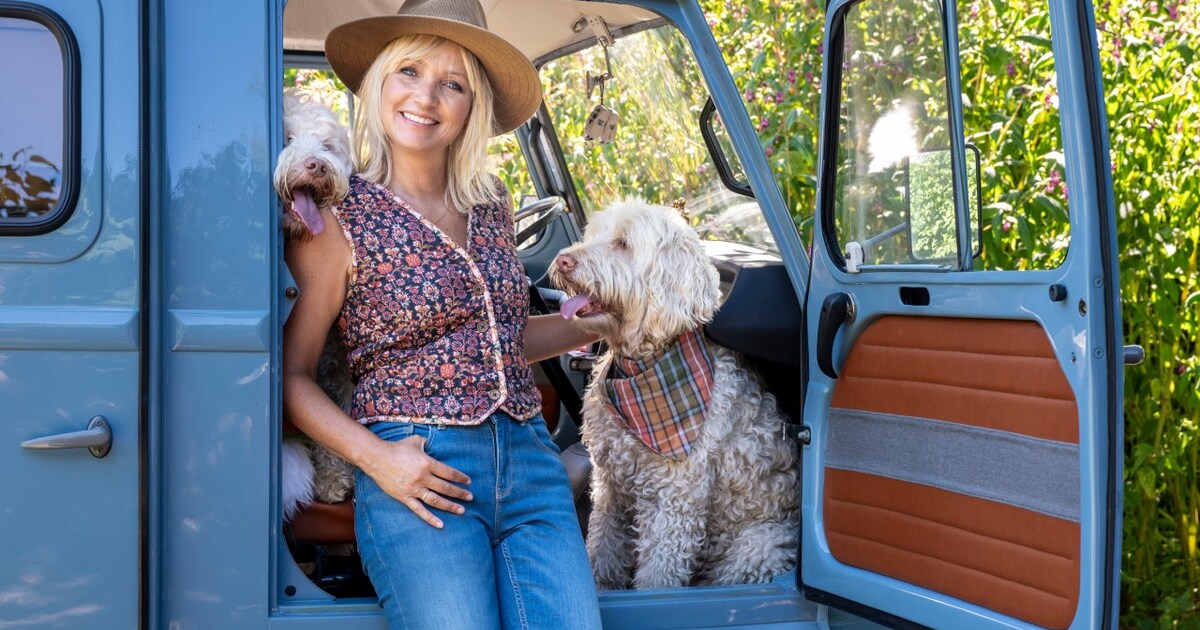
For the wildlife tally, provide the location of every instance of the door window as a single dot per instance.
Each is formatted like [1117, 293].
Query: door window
[893, 194]
[34, 158]
[893, 117]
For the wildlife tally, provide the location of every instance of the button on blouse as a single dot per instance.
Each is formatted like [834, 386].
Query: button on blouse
[434, 332]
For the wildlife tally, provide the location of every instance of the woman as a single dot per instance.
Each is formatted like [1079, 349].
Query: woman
[463, 514]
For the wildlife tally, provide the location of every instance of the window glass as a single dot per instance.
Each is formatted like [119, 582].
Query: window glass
[658, 151]
[892, 112]
[774, 50]
[31, 136]
[894, 190]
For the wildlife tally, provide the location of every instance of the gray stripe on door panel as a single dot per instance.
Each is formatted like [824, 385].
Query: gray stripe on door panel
[1028, 472]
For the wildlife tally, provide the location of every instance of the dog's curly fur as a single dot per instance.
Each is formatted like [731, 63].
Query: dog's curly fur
[316, 164]
[728, 513]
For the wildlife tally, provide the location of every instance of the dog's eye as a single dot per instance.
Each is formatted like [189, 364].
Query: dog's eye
[620, 243]
[288, 140]
[327, 146]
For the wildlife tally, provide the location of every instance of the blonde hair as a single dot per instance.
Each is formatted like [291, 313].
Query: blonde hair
[468, 182]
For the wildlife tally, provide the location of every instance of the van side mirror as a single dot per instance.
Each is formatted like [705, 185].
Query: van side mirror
[929, 205]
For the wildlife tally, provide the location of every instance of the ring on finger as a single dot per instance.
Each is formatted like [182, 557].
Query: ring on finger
[425, 495]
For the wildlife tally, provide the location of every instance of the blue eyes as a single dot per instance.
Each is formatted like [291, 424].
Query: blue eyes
[410, 71]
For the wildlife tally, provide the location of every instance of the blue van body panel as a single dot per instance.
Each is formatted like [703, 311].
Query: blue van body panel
[218, 417]
[69, 351]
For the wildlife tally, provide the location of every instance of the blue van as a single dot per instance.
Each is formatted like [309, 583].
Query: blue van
[959, 425]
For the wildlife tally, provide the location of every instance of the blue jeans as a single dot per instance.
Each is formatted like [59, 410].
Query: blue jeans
[515, 559]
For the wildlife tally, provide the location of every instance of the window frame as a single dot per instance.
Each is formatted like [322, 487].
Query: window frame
[69, 187]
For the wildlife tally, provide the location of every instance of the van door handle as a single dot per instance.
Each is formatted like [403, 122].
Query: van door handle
[97, 438]
[837, 309]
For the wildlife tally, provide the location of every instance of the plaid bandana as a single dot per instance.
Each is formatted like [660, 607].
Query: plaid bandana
[662, 401]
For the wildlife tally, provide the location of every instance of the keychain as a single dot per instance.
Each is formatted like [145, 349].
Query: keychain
[601, 125]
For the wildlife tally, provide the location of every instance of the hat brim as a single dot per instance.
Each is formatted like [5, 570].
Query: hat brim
[352, 47]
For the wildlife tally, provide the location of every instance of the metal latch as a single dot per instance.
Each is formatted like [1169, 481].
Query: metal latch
[798, 432]
[97, 438]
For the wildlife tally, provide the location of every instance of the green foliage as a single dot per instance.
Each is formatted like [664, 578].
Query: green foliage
[657, 90]
[1148, 55]
[324, 85]
[774, 49]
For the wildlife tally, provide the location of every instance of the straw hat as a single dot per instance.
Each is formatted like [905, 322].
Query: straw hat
[352, 47]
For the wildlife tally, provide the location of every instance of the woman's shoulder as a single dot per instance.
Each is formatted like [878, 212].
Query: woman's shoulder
[361, 193]
[499, 198]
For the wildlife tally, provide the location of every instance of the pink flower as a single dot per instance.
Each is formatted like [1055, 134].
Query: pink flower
[749, 96]
[791, 76]
[1055, 183]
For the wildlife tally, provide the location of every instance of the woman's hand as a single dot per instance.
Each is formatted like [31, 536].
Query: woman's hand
[405, 472]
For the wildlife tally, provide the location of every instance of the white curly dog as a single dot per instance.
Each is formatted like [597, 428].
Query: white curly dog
[724, 508]
[313, 173]
[313, 169]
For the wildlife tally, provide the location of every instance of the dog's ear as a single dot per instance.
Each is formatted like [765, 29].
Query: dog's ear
[684, 282]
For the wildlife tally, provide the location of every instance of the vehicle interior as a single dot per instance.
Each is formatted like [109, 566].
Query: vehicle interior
[667, 146]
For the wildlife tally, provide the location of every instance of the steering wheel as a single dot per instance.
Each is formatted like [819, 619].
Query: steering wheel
[543, 212]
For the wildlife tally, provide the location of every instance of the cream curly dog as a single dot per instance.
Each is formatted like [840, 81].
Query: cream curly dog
[313, 173]
[712, 498]
[313, 170]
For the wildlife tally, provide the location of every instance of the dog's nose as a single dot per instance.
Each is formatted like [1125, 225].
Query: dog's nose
[565, 262]
[314, 166]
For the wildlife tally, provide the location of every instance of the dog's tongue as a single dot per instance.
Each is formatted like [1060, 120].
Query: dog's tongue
[307, 210]
[572, 305]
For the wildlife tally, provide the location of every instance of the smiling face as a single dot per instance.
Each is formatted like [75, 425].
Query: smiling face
[424, 104]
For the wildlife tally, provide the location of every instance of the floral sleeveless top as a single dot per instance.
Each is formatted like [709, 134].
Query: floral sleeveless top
[434, 332]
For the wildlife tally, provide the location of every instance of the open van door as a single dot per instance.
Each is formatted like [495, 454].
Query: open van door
[965, 423]
[72, 326]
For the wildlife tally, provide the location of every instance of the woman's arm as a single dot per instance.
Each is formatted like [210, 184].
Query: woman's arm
[550, 335]
[321, 267]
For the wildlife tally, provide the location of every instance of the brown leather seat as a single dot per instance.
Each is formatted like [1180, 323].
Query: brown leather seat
[324, 523]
